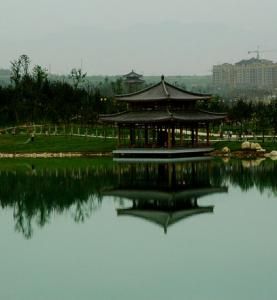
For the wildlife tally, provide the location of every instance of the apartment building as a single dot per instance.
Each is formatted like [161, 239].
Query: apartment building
[251, 73]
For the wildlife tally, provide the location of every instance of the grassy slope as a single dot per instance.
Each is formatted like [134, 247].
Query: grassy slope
[9, 143]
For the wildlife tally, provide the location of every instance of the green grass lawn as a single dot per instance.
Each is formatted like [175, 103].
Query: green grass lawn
[21, 143]
[82, 163]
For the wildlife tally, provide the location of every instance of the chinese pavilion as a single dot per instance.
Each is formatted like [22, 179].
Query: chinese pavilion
[133, 81]
[162, 119]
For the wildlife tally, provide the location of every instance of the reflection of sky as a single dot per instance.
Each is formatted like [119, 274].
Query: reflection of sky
[230, 254]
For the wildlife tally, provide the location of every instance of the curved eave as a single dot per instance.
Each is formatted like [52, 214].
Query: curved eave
[162, 91]
[133, 80]
[135, 117]
[132, 73]
[223, 114]
[161, 99]
[185, 91]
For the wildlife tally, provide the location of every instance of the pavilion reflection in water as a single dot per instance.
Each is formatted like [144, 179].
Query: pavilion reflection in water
[161, 193]
[165, 194]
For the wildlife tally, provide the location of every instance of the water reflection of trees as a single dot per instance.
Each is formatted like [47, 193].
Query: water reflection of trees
[248, 174]
[36, 195]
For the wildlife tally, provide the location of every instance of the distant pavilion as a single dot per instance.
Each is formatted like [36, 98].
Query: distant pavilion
[133, 81]
[161, 117]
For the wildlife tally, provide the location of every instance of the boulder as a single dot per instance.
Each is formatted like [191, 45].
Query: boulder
[259, 147]
[245, 145]
[226, 150]
[261, 150]
[255, 146]
[273, 153]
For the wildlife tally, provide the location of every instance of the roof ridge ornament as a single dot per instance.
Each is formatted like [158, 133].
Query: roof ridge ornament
[164, 87]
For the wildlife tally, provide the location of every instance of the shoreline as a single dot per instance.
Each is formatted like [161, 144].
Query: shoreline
[241, 154]
[53, 154]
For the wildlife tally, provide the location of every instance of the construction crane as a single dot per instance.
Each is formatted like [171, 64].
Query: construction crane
[258, 51]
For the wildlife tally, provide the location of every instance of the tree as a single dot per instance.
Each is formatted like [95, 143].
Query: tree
[77, 77]
[20, 69]
[241, 112]
[273, 115]
[263, 113]
[39, 75]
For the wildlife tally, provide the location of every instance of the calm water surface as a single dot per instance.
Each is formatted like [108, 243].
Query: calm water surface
[96, 229]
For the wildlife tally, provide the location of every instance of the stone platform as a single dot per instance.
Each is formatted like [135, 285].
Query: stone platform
[159, 153]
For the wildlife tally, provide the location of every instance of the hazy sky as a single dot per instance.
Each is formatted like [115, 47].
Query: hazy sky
[150, 36]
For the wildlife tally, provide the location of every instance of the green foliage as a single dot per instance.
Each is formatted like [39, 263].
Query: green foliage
[77, 77]
[33, 97]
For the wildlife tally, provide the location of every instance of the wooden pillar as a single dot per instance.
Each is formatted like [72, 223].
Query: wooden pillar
[146, 135]
[208, 134]
[181, 136]
[173, 135]
[169, 138]
[196, 134]
[154, 135]
[192, 135]
[119, 136]
[135, 136]
[104, 132]
[169, 174]
[132, 136]
[139, 136]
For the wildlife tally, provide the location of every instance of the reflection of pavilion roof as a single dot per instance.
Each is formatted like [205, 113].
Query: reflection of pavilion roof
[162, 207]
[164, 218]
[162, 116]
[162, 91]
[164, 196]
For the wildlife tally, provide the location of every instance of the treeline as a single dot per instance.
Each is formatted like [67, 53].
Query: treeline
[32, 97]
[246, 117]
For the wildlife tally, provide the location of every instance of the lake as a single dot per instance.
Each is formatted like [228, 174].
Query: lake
[97, 229]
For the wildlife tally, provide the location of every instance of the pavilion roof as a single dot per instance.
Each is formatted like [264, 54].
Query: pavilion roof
[162, 91]
[132, 74]
[157, 116]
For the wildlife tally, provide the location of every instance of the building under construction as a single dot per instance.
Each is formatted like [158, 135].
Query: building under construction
[251, 73]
